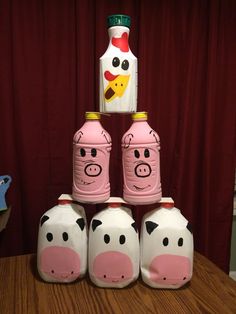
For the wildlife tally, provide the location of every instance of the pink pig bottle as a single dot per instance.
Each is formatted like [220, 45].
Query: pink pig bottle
[141, 162]
[91, 155]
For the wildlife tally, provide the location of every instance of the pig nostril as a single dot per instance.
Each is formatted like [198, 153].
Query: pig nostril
[164, 278]
[72, 272]
[184, 278]
[122, 276]
[105, 276]
[52, 271]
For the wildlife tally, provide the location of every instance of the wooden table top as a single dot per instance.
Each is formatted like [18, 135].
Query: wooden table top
[22, 291]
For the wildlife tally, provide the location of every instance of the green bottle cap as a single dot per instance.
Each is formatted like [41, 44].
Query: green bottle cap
[118, 20]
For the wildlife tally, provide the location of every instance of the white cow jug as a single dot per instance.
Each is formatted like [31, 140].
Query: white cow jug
[166, 248]
[62, 242]
[113, 247]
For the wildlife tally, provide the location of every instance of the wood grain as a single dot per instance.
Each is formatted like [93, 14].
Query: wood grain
[22, 291]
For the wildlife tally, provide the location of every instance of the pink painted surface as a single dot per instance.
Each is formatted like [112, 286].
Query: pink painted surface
[113, 267]
[141, 164]
[170, 269]
[61, 263]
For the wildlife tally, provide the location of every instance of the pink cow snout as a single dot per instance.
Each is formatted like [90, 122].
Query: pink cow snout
[61, 263]
[170, 269]
[113, 267]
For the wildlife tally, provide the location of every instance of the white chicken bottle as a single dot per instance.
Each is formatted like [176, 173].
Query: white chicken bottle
[118, 69]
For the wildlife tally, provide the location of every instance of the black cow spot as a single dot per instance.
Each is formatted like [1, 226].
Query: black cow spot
[134, 226]
[43, 219]
[106, 238]
[122, 239]
[189, 227]
[49, 236]
[165, 241]
[150, 226]
[180, 242]
[95, 224]
[81, 223]
[65, 236]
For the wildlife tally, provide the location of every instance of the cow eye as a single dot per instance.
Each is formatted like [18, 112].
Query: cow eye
[82, 152]
[136, 153]
[106, 238]
[165, 241]
[116, 62]
[122, 239]
[65, 236]
[180, 242]
[94, 152]
[49, 236]
[146, 153]
[125, 65]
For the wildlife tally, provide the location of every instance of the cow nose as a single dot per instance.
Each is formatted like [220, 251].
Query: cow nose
[93, 170]
[143, 170]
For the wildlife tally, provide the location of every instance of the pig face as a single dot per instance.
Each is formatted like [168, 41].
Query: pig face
[89, 162]
[60, 251]
[169, 263]
[113, 253]
[142, 163]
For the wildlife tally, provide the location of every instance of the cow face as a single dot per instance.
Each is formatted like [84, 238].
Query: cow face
[62, 245]
[113, 251]
[169, 263]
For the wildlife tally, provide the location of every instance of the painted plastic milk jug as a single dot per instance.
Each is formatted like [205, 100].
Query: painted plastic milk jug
[62, 242]
[166, 248]
[91, 155]
[113, 252]
[141, 162]
[118, 69]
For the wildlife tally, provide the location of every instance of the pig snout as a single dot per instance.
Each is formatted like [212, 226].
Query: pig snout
[170, 269]
[93, 170]
[142, 170]
[60, 263]
[112, 267]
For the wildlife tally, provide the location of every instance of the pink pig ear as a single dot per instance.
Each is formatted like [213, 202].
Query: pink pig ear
[150, 226]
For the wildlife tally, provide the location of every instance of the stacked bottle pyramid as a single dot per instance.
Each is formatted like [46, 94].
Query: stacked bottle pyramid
[111, 249]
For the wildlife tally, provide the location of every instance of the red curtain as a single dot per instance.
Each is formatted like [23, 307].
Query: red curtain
[187, 73]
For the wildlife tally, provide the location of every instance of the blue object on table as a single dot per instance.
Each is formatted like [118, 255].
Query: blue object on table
[4, 185]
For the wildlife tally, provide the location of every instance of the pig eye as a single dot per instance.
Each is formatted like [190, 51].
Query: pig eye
[106, 238]
[93, 152]
[136, 153]
[180, 242]
[65, 236]
[116, 62]
[165, 241]
[125, 65]
[146, 153]
[49, 236]
[82, 152]
[122, 239]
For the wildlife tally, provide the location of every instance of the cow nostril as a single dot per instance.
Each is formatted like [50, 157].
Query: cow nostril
[52, 271]
[105, 276]
[72, 272]
[184, 278]
[164, 278]
[122, 276]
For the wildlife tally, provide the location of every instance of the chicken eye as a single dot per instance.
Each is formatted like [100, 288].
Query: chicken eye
[116, 62]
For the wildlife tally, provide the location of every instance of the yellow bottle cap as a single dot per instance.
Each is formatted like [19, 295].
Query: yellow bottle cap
[140, 115]
[92, 115]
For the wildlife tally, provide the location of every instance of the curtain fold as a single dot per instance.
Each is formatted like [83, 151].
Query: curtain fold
[186, 81]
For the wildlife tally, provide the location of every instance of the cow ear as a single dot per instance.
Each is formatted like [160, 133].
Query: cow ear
[43, 219]
[134, 226]
[150, 226]
[96, 223]
[80, 222]
[189, 227]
